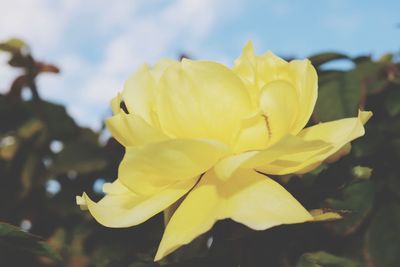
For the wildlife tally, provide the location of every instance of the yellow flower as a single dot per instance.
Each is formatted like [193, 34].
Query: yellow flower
[205, 132]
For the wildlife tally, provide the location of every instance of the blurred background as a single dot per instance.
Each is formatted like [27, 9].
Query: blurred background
[62, 61]
[99, 44]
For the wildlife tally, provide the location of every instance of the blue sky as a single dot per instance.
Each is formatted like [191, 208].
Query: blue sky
[98, 45]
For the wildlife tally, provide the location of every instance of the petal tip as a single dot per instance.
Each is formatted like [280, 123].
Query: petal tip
[248, 47]
[163, 250]
[322, 215]
[168, 246]
[81, 201]
[365, 115]
[158, 256]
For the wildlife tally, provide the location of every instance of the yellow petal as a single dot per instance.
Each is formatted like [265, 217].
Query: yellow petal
[258, 71]
[339, 154]
[115, 188]
[291, 147]
[150, 168]
[159, 68]
[271, 68]
[337, 133]
[115, 104]
[248, 197]
[138, 94]
[123, 208]
[305, 80]
[253, 134]
[279, 104]
[132, 130]
[227, 166]
[246, 68]
[200, 99]
[141, 88]
[245, 64]
[301, 75]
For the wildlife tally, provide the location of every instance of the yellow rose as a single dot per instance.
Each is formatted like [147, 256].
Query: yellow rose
[205, 132]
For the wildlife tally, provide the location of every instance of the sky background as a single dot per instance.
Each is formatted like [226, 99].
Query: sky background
[99, 43]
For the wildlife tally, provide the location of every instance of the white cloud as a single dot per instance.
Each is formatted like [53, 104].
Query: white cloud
[343, 23]
[123, 34]
[38, 22]
[146, 38]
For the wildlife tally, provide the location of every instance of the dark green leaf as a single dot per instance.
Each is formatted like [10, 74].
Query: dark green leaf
[324, 259]
[83, 155]
[392, 103]
[342, 94]
[30, 128]
[382, 240]
[322, 58]
[59, 124]
[357, 198]
[15, 238]
[28, 173]
[371, 76]
[339, 97]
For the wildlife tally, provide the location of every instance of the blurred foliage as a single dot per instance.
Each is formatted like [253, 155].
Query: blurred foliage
[46, 159]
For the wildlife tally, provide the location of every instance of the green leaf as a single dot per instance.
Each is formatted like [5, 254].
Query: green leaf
[56, 119]
[392, 103]
[83, 155]
[324, 259]
[13, 45]
[17, 239]
[338, 97]
[28, 173]
[59, 123]
[30, 128]
[341, 94]
[360, 172]
[357, 198]
[388, 57]
[369, 144]
[371, 76]
[382, 240]
[319, 59]
[392, 182]
[362, 59]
